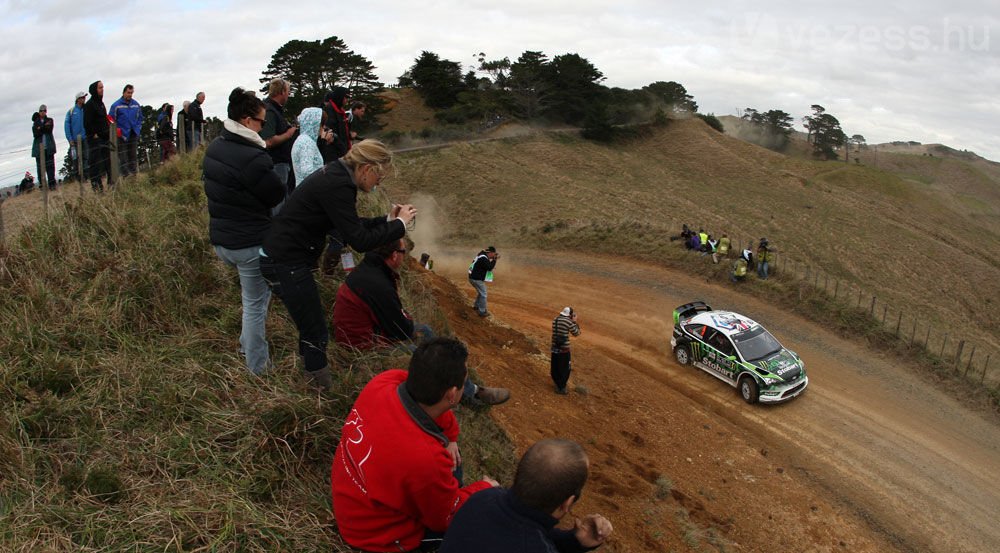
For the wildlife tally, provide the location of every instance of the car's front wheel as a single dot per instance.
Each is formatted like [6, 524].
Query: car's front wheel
[749, 390]
[682, 354]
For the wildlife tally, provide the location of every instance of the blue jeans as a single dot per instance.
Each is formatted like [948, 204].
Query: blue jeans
[282, 169]
[295, 285]
[762, 270]
[256, 295]
[480, 287]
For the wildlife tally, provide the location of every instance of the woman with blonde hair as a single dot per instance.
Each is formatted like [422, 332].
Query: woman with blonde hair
[325, 201]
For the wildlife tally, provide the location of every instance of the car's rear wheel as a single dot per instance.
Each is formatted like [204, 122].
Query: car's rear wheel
[748, 389]
[683, 355]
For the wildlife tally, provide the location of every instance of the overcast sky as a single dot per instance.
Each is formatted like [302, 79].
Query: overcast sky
[918, 70]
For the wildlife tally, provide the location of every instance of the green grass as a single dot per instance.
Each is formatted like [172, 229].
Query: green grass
[129, 421]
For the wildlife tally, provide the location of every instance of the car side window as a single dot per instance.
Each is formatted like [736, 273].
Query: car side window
[697, 330]
[720, 342]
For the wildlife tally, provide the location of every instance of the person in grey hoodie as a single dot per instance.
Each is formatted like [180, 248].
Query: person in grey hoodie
[306, 157]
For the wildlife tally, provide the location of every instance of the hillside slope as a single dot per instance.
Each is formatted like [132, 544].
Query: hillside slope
[917, 246]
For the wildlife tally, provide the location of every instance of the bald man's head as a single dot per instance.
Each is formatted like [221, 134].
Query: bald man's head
[549, 473]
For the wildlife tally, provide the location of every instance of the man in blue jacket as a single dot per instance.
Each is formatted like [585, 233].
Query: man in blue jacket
[73, 127]
[127, 114]
[548, 481]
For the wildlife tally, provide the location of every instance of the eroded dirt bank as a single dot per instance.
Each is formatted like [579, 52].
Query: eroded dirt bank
[871, 458]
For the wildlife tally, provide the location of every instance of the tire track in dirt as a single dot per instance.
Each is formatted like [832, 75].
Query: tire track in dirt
[874, 439]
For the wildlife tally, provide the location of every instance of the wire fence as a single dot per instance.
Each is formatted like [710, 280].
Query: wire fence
[945, 342]
[106, 163]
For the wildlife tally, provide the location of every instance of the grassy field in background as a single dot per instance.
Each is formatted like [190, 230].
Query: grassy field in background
[928, 246]
[128, 419]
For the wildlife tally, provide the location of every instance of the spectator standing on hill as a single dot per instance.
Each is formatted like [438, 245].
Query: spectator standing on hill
[763, 259]
[306, 157]
[702, 241]
[41, 130]
[95, 122]
[196, 120]
[336, 121]
[369, 313]
[242, 187]
[722, 249]
[127, 114]
[396, 478]
[483, 264]
[739, 269]
[73, 127]
[277, 133]
[184, 125]
[563, 325]
[326, 200]
[549, 480]
[713, 245]
[165, 132]
[355, 116]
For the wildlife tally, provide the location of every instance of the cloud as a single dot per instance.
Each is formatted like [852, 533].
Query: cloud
[927, 72]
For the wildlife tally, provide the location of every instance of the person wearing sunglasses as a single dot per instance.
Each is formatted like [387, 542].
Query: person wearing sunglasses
[326, 200]
[242, 187]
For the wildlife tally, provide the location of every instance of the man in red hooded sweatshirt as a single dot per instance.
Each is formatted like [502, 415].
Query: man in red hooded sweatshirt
[396, 476]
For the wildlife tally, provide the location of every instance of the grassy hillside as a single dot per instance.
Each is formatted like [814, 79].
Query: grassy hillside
[918, 246]
[128, 419]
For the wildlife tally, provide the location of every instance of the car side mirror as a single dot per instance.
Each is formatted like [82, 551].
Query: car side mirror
[731, 358]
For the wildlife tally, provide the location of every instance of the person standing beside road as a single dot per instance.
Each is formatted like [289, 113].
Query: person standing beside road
[41, 129]
[165, 132]
[336, 121]
[127, 114]
[195, 121]
[355, 116]
[73, 127]
[306, 158]
[764, 253]
[484, 262]
[563, 325]
[95, 122]
[242, 187]
[277, 133]
[722, 249]
[326, 200]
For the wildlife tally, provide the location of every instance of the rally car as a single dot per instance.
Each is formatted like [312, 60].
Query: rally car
[738, 351]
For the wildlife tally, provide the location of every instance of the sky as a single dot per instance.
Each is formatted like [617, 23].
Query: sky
[921, 70]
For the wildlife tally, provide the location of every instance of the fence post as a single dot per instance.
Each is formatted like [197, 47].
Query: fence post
[898, 321]
[927, 339]
[3, 238]
[149, 160]
[985, 366]
[115, 167]
[836, 288]
[192, 137]
[79, 160]
[885, 311]
[971, 355]
[943, 342]
[958, 354]
[913, 332]
[859, 297]
[871, 312]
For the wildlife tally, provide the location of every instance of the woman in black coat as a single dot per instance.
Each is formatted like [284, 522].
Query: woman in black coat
[242, 187]
[326, 200]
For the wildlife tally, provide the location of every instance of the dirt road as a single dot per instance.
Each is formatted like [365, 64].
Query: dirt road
[870, 458]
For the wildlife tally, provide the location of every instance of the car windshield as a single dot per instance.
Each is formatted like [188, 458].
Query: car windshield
[756, 344]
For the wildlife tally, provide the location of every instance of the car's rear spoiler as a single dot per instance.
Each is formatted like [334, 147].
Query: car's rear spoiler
[689, 310]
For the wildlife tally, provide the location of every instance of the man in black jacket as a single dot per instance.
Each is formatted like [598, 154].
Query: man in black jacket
[549, 480]
[369, 313]
[95, 123]
[485, 261]
[336, 120]
[195, 116]
[277, 133]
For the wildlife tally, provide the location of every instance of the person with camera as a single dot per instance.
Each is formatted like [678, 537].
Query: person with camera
[484, 262]
[563, 325]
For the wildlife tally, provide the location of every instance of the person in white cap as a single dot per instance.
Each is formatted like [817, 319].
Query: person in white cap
[562, 326]
[73, 127]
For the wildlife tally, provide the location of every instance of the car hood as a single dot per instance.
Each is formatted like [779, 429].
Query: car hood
[783, 364]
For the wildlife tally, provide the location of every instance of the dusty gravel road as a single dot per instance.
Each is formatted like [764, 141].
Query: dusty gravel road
[895, 462]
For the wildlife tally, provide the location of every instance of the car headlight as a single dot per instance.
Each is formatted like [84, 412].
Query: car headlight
[771, 381]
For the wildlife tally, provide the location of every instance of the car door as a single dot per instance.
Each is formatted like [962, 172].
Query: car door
[697, 346]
